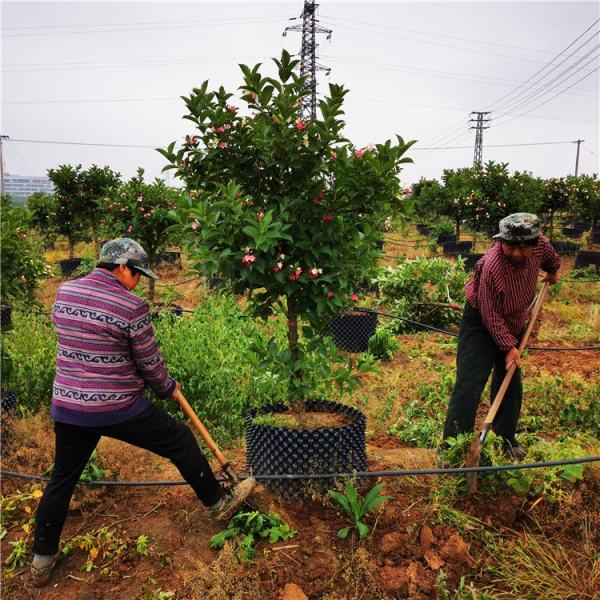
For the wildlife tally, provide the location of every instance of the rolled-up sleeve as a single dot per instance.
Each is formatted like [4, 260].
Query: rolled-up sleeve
[146, 353]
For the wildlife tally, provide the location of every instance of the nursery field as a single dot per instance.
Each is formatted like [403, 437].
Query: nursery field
[524, 534]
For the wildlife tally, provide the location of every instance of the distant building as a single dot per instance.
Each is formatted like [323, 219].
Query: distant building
[22, 186]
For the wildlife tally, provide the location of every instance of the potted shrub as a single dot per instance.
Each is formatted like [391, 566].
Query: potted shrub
[140, 210]
[288, 210]
[43, 216]
[21, 268]
[584, 202]
[21, 260]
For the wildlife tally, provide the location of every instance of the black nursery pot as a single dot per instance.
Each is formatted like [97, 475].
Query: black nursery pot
[586, 258]
[351, 332]
[471, 261]
[5, 317]
[423, 229]
[171, 258]
[445, 239]
[565, 247]
[572, 232]
[286, 451]
[454, 248]
[68, 265]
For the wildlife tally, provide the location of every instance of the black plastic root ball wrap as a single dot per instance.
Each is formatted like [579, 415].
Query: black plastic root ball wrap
[286, 451]
[351, 331]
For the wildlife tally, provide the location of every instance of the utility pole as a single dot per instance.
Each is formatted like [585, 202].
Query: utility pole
[2, 138]
[578, 142]
[479, 127]
[308, 58]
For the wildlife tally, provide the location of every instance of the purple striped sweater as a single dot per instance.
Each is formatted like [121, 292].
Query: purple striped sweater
[106, 353]
[502, 291]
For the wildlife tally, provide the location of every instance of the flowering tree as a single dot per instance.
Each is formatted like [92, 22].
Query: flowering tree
[140, 210]
[43, 215]
[78, 193]
[284, 207]
[22, 264]
[555, 197]
[584, 197]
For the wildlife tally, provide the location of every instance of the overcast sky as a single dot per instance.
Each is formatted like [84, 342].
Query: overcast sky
[112, 74]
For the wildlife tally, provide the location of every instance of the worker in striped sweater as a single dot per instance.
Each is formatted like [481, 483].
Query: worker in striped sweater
[107, 355]
[494, 318]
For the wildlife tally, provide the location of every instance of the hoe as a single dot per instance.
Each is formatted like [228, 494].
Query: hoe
[475, 451]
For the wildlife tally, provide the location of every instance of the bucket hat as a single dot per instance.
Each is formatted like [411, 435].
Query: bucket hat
[125, 251]
[519, 227]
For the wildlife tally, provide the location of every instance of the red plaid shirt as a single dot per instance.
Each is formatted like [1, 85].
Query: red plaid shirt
[502, 291]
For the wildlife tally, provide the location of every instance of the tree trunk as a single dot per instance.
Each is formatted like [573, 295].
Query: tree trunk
[457, 219]
[96, 241]
[297, 402]
[150, 280]
[71, 247]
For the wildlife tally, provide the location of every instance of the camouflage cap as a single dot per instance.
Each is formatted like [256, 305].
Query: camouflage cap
[519, 227]
[125, 251]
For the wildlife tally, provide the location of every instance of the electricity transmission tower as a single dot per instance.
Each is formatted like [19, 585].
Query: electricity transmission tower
[479, 127]
[308, 59]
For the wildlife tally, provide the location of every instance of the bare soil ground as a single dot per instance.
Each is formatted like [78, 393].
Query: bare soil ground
[402, 558]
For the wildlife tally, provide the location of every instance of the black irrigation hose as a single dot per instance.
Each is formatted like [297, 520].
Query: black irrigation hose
[356, 474]
[450, 333]
[406, 320]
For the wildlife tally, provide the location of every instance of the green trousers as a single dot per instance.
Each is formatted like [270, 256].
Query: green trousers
[476, 357]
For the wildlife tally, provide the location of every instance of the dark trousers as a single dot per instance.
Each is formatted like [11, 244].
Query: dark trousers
[153, 430]
[477, 355]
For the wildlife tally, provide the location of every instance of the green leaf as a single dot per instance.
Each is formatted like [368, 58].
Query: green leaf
[343, 533]
[363, 530]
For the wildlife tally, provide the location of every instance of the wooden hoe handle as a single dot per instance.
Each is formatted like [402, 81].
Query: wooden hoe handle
[489, 419]
[197, 423]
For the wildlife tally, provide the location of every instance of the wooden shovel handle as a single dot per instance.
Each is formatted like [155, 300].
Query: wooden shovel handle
[197, 423]
[513, 367]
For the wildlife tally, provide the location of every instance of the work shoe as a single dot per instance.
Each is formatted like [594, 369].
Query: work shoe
[515, 451]
[232, 500]
[42, 567]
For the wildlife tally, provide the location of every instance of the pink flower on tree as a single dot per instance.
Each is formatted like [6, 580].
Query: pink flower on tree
[248, 259]
[223, 145]
[295, 275]
[327, 218]
[260, 215]
[314, 272]
[354, 297]
[278, 267]
[300, 124]
[130, 229]
[195, 225]
[358, 153]
[333, 155]
[329, 295]
[231, 108]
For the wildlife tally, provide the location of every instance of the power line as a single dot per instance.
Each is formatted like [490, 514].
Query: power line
[87, 66]
[449, 37]
[469, 77]
[83, 143]
[380, 33]
[490, 106]
[160, 27]
[536, 95]
[154, 147]
[552, 98]
[159, 23]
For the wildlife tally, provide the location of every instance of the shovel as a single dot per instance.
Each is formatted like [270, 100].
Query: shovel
[475, 451]
[206, 437]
